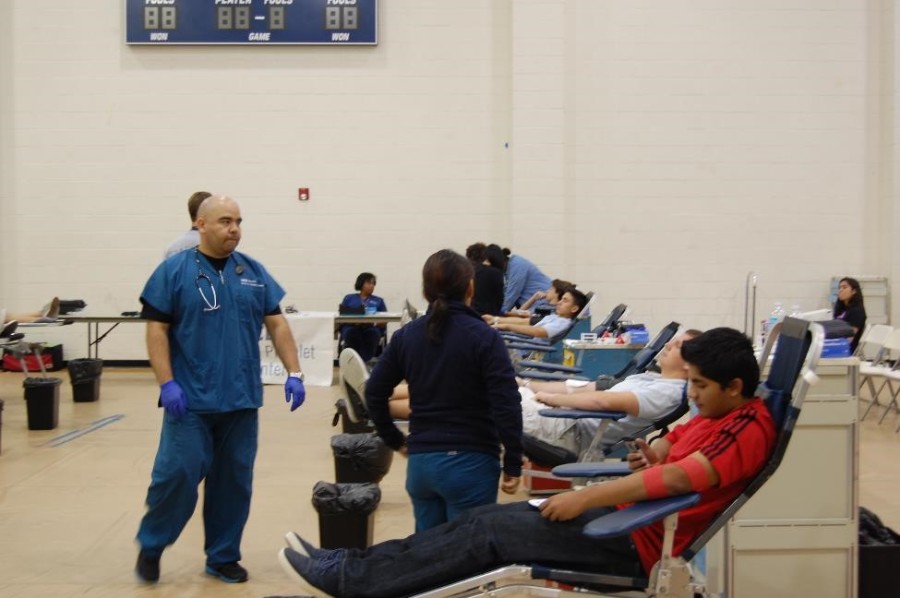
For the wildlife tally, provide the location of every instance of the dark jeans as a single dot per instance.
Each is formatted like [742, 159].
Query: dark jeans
[363, 339]
[479, 540]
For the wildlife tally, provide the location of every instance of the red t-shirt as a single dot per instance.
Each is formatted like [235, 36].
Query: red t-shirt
[737, 446]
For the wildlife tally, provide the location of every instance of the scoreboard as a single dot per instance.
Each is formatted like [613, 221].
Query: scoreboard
[330, 22]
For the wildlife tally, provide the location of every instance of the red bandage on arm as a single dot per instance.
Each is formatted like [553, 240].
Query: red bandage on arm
[653, 483]
[696, 473]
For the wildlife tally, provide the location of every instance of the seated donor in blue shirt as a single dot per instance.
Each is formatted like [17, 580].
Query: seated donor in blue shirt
[569, 306]
[363, 338]
[645, 398]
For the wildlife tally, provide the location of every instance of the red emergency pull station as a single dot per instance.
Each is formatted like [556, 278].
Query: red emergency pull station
[303, 193]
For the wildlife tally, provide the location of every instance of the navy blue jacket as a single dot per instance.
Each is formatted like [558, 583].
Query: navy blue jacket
[463, 391]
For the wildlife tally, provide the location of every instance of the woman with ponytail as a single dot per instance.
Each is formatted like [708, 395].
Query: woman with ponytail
[463, 395]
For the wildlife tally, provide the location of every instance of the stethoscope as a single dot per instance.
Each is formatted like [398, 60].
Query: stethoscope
[201, 275]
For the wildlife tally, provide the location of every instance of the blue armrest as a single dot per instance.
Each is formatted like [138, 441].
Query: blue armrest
[529, 346]
[582, 414]
[592, 469]
[546, 365]
[625, 521]
[549, 376]
[506, 334]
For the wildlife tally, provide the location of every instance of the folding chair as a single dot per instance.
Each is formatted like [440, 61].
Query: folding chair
[871, 343]
[882, 368]
[799, 347]
[639, 363]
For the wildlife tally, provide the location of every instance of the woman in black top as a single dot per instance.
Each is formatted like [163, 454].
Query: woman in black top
[488, 297]
[464, 400]
[849, 307]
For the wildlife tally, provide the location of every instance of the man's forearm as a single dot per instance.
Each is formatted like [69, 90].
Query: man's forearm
[536, 331]
[158, 351]
[285, 347]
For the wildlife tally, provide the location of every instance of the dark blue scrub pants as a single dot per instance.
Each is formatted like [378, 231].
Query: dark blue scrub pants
[219, 448]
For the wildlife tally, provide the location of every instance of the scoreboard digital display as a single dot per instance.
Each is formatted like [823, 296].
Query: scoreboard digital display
[330, 22]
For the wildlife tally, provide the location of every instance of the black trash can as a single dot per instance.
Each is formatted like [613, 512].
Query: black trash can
[879, 556]
[42, 400]
[85, 377]
[360, 458]
[346, 514]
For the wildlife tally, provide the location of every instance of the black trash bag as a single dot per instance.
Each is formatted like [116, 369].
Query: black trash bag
[361, 457]
[873, 532]
[41, 383]
[85, 370]
[67, 306]
[328, 498]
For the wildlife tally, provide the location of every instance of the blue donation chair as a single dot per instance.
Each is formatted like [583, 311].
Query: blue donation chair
[551, 348]
[544, 454]
[519, 344]
[639, 363]
[790, 374]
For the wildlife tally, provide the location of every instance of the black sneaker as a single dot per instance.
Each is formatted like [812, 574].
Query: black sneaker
[228, 572]
[8, 328]
[147, 568]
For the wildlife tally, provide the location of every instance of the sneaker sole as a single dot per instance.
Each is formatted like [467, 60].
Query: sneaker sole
[291, 540]
[288, 568]
[225, 578]
[143, 580]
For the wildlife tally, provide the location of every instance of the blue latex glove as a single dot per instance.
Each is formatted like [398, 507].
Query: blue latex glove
[171, 397]
[294, 392]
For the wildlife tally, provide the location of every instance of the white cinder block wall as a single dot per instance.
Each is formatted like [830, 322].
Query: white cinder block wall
[653, 151]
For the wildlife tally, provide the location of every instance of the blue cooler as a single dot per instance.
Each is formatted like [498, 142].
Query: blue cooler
[836, 347]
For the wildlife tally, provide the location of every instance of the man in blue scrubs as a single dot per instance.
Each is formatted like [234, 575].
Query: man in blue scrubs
[205, 309]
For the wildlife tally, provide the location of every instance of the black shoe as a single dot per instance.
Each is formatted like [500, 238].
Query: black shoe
[147, 568]
[322, 574]
[229, 572]
[8, 328]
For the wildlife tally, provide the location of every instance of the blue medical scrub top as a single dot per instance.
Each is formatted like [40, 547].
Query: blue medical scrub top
[353, 300]
[214, 352]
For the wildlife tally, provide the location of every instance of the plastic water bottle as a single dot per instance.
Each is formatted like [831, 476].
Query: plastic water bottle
[795, 311]
[776, 316]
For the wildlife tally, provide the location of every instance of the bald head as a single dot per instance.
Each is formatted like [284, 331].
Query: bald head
[219, 223]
